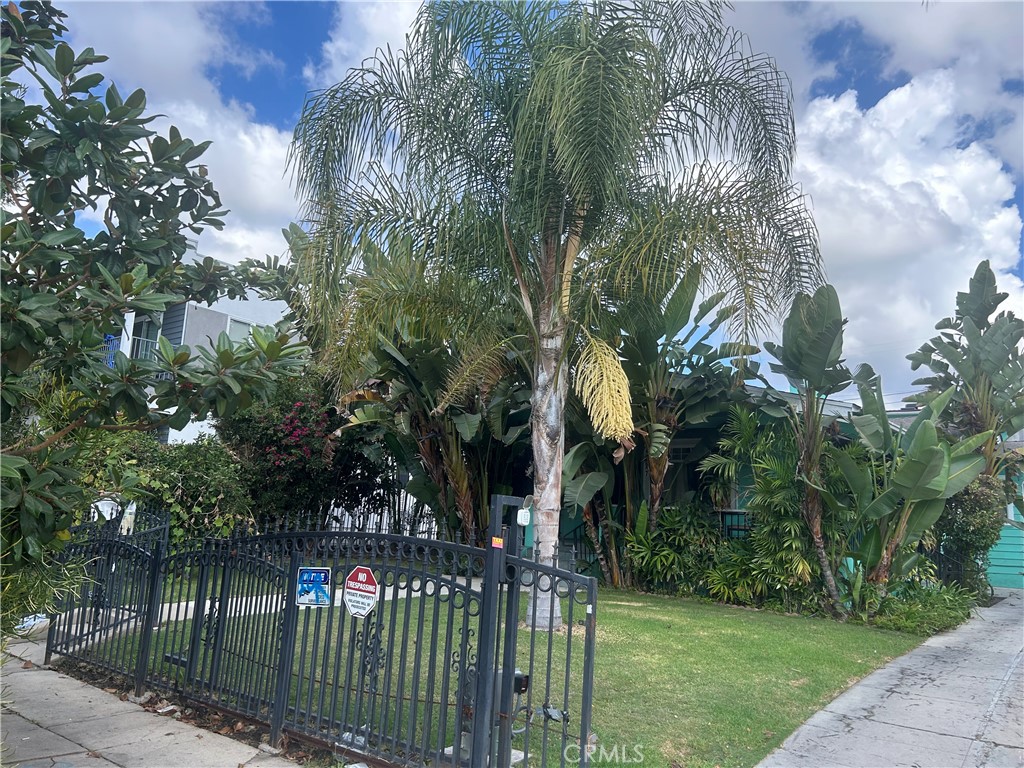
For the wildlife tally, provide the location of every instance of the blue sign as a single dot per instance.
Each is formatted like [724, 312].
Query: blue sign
[314, 587]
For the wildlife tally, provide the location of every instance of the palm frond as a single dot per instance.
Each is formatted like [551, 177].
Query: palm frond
[479, 368]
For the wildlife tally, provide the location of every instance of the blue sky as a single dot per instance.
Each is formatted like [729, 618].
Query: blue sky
[909, 122]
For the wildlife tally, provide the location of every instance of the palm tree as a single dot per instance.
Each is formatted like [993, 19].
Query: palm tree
[549, 152]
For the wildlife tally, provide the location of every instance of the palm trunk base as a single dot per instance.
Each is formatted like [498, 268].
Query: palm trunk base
[544, 609]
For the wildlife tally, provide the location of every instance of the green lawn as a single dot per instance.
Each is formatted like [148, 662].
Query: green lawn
[677, 681]
[710, 685]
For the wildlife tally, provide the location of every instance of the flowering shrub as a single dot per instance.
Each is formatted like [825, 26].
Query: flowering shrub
[297, 464]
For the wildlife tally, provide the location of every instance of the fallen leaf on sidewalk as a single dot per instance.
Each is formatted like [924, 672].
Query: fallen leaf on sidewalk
[27, 665]
[93, 754]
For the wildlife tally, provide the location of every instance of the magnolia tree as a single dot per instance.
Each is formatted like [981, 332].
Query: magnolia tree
[96, 205]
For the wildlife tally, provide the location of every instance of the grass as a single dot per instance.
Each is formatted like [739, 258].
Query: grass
[698, 684]
[677, 681]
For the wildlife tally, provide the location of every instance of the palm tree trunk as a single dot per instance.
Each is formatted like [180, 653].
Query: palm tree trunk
[812, 514]
[595, 539]
[547, 425]
[657, 469]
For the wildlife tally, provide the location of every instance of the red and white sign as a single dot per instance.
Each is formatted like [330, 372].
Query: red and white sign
[360, 591]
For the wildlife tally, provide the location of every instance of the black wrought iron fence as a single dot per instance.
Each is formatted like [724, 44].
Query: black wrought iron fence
[445, 659]
[145, 524]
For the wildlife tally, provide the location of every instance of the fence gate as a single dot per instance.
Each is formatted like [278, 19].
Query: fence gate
[407, 651]
[221, 621]
[102, 623]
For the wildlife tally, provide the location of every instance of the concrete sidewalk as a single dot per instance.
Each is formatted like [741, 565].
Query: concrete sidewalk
[956, 701]
[50, 720]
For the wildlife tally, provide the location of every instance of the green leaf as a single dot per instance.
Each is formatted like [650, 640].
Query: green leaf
[870, 551]
[62, 237]
[775, 411]
[573, 460]
[642, 518]
[923, 515]
[969, 444]
[920, 476]
[579, 491]
[86, 83]
[883, 505]
[680, 303]
[927, 414]
[43, 57]
[9, 465]
[468, 425]
[136, 100]
[64, 59]
[858, 477]
[963, 470]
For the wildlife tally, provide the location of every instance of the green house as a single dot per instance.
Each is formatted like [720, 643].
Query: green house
[1006, 558]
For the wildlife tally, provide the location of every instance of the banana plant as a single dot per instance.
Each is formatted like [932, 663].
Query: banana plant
[979, 353]
[901, 492]
[677, 377]
[810, 357]
[588, 480]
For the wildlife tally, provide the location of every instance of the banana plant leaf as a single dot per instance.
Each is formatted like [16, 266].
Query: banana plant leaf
[579, 491]
[870, 550]
[857, 476]
[923, 516]
[904, 563]
[883, 505]
[963, 470]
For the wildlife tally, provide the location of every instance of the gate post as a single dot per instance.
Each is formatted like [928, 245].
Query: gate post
[509, 642]
[589, 651]
[150, 617]
[282, 691]
[494, 558]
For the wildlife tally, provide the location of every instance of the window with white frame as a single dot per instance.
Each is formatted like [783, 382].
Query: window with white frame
[238, 330]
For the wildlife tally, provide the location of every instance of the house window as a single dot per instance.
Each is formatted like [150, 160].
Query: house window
[238, 330]
[144, 338]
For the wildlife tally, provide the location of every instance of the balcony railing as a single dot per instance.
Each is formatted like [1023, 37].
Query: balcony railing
[111, 344]
[144, 349]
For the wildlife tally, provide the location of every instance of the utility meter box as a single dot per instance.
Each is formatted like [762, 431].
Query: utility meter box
[524, 513]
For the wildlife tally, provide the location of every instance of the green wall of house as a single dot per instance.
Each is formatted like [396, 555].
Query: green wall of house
[1006, 558]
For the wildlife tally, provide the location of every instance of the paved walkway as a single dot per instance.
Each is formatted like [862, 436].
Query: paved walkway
[956, 701]
[50, 720]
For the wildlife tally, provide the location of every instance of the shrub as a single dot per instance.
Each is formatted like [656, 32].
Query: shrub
[731, 579]
[970, 526]
[922, 608]
[676, 557]
[297, 464]
[202, 485]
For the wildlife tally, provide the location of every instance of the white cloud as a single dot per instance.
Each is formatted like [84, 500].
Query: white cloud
[359, 29]
[908, 196]
[169, 50]
[904, 215]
